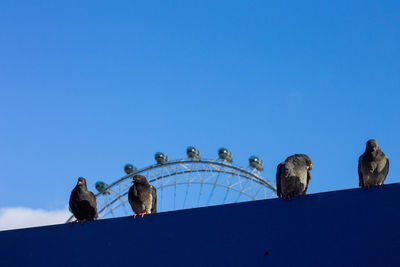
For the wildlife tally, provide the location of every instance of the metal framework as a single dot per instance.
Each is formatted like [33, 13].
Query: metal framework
[200, 182]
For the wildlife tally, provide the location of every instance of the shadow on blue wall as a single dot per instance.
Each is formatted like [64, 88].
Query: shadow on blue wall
[342, 228]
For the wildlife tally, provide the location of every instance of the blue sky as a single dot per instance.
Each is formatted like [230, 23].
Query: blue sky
[87, 87]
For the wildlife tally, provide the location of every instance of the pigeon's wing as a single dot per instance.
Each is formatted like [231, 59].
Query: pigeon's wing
[93, 204]
[308, 181]
[386, 168]
[360, 175]
[92, 199]
[278, 179]
[96, 215]
[154, 197]
[133, 198]
[133, 192]
[73, 201]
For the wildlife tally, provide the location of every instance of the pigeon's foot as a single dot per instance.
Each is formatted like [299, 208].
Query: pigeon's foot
[142, 214]
[83, 221]
[134, 216]
[367, 187]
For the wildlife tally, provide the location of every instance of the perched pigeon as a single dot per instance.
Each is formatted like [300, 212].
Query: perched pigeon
[82, 202]
[142, 196]
[373, 165]
[293, 176]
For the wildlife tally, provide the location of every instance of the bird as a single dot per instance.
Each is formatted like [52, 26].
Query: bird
[82, 202]
[373, 166]
[293, 176]
[142, 196]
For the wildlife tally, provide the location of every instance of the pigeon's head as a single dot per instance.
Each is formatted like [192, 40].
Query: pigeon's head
[139, 179]
[81, 182]
[308, 162]
[304, 158]
[310, 166]
[372, 145]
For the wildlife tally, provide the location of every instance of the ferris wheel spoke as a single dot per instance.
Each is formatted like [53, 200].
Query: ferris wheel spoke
[125, 209]
[200, 192]
[241, 190]
[213, 189]
[244, 187]
[203, 180]
[162, 189]
[257, 191]
[228, 189]
[198, 174]
[161, 202]
[175, 194]
[186, 193]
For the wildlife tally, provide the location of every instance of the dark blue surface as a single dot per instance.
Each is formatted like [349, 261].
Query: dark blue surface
[342, 228]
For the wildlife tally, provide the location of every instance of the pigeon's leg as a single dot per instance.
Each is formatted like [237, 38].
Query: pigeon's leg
[134, 216]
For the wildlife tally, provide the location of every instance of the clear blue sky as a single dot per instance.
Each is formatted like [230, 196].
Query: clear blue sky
[89, 86]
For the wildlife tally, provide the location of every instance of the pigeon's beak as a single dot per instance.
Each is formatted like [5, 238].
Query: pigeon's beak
[79, 182]
[311, 166]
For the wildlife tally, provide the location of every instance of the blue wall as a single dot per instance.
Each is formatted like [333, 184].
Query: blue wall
[342, 228]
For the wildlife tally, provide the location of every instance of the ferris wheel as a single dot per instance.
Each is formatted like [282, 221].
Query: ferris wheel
[188, 183]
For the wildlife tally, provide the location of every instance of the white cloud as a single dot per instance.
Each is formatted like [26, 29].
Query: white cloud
[22, 217]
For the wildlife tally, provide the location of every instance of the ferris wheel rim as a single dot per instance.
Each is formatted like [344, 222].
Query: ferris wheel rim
[243, 172]
[206, 161]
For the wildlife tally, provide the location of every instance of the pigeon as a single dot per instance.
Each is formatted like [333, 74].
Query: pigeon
[293, 176]
[373, 165]
[142, 196]
[82, 202]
